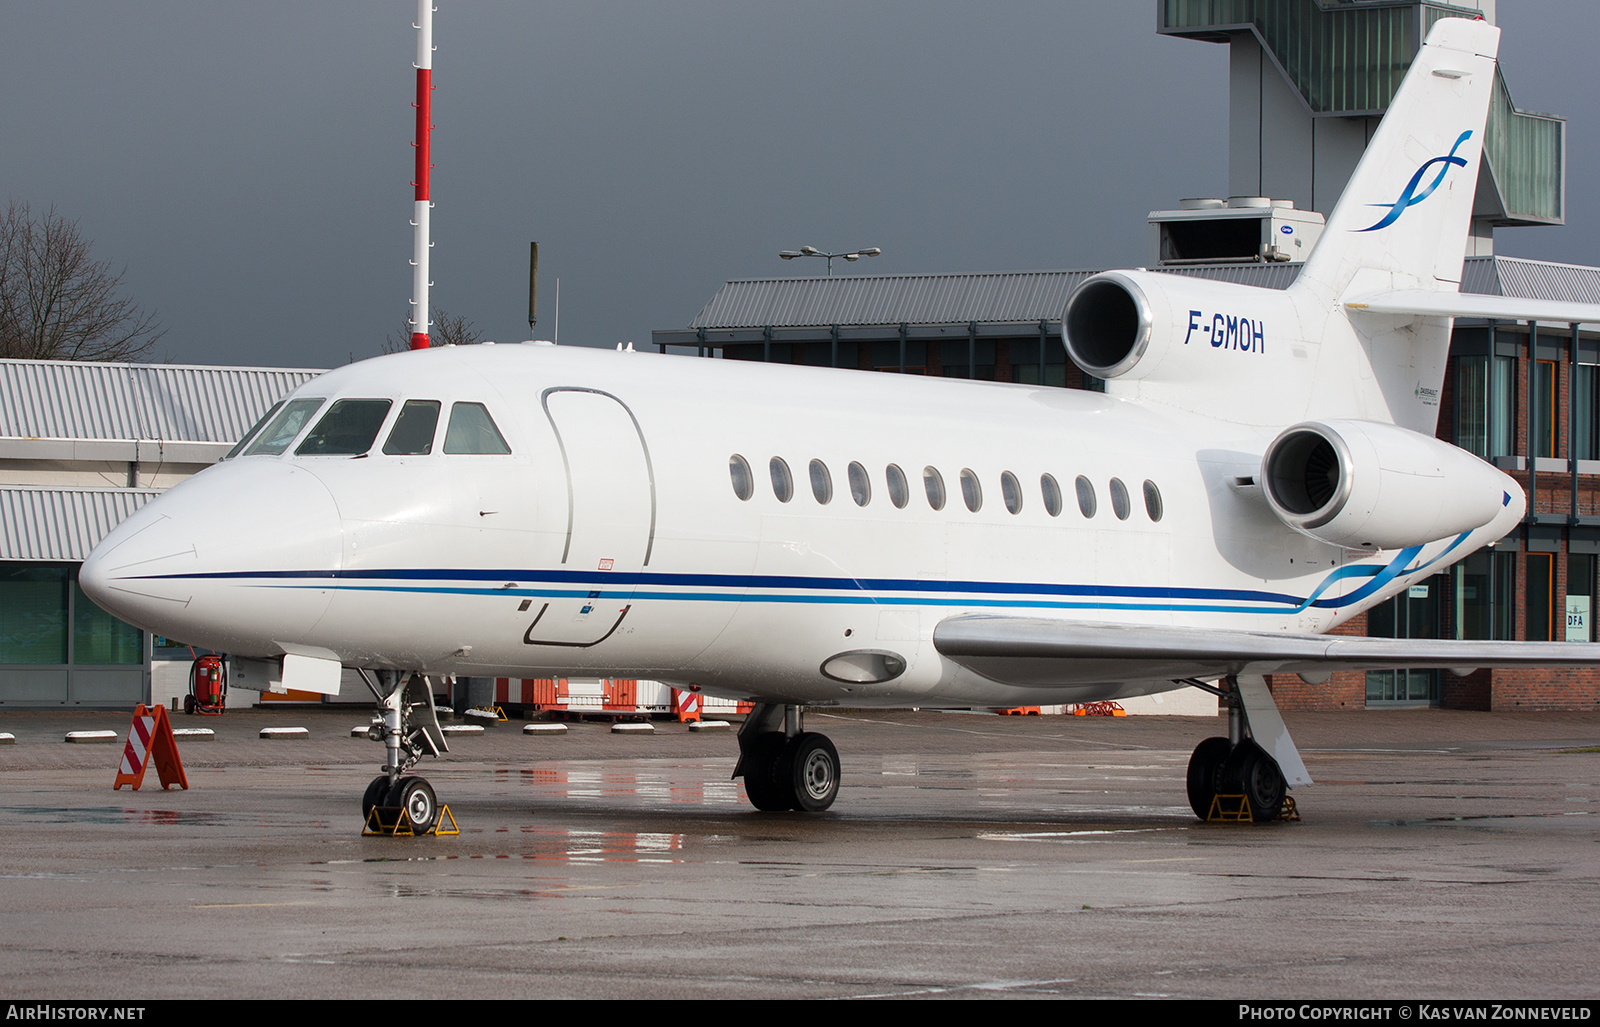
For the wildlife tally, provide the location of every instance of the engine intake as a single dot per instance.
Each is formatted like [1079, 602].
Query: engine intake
[1107, 325]
[1368, 485]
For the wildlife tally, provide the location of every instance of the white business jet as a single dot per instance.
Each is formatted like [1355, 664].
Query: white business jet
[1260, 468]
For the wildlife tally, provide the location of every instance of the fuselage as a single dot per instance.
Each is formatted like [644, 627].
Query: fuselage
[785, 533]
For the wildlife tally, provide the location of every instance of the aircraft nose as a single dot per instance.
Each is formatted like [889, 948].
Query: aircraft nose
[228, 559]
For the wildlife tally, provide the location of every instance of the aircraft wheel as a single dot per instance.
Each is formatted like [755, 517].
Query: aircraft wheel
[1205, 773]
[810, 767]
[1251, 771]
[376, 792]
[416, 796]
[763, 784]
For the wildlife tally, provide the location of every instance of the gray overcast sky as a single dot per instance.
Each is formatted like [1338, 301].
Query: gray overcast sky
[250, 163]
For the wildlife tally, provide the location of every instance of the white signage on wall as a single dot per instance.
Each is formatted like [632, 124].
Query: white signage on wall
[1577, 618]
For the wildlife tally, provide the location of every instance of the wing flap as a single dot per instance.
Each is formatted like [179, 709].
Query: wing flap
[1467, 304]
[1045, 652]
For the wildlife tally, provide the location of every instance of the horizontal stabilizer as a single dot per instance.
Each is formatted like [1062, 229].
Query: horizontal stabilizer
[1042, 651]
[1465, 304]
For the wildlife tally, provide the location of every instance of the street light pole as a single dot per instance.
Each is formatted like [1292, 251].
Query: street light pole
[812, 251]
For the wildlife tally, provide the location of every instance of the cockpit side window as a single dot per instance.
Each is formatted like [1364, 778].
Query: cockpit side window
[472, 430]
[412, 434]
[349, 428]
[247, 436]
[277, 435]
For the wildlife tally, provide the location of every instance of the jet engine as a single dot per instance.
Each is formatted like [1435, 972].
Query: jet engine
[1368, 485]
[1166, 327]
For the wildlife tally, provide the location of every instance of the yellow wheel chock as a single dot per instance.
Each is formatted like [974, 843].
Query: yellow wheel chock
[395, 822]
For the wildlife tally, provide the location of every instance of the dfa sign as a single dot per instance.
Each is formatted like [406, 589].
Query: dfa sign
[1577, 618]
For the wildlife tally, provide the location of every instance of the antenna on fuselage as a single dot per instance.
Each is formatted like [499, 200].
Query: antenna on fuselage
[533, 287]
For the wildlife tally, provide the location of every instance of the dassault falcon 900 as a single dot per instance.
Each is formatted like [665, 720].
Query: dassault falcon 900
[1260, 468]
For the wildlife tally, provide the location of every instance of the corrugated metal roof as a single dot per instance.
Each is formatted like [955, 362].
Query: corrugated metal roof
[1021, 296]
[986, 297]
[80, 400]
[1537, 280]
[889, 300]
[61, 524]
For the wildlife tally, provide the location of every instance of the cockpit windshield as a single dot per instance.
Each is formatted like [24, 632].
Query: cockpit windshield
[349, 428]
[247, 436]
[277, 436]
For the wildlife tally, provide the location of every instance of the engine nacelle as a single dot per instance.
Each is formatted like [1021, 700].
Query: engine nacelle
[1165, 327]
[1367, 485]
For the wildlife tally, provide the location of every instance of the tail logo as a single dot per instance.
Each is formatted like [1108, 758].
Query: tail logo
[1409, 195]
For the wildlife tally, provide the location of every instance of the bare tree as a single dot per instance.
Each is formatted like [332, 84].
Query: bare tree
[59, 303]
[446, 330]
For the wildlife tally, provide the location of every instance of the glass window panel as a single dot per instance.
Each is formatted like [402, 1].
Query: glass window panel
[821, 482]
[247, 436]
[744, 483]
[1011, 491]
[472, 431]
[1540, 621]
[1580, 598]
[99, 638]
[933, 485]
[860, 486]
[1052, 494]
[1585, 429]
[412, 434]
[283, 429]
[1119, 499]
[899, 493]
[33, 614]
[1087, 504]
[971, 491]
[1544, 388]
[782, 481]
[1152, 501]
[349, 428]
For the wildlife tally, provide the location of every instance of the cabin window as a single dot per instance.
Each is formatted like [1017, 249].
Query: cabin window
[412, 434]
[1087, 504]
[971, 491]
[252, 432]
[899, 493]
[821, 482]
[1052, 494]
[860, 485]
[1011, 491]
[472, 431]
[349, 428]
[1152, 500]
[744, 483]
[933, 485]
[782, 481]
[277, 436]
[1119, 499]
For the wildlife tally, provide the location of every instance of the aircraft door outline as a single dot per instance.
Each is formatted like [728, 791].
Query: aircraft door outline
[608, 471]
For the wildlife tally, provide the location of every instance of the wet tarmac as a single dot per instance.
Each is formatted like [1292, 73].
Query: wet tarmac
[1441, 855]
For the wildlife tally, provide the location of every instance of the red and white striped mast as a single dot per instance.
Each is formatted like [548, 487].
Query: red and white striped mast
[421, 203]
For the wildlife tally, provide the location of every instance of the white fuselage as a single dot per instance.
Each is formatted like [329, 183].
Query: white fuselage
[611, 539]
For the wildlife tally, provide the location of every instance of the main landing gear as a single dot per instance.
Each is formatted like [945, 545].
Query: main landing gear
[785, 767]
[1238, 764]
[408, 725]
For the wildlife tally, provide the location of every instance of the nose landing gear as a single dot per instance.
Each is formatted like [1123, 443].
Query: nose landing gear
[408, 725]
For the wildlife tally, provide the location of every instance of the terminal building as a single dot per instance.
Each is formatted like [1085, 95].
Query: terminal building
[83, 445]
[1308, 81]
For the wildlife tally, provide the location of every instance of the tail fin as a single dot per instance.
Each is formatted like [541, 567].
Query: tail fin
[1403, 219]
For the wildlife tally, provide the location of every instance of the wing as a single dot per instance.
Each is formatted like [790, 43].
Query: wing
[1042, 651]
[1468, 304]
